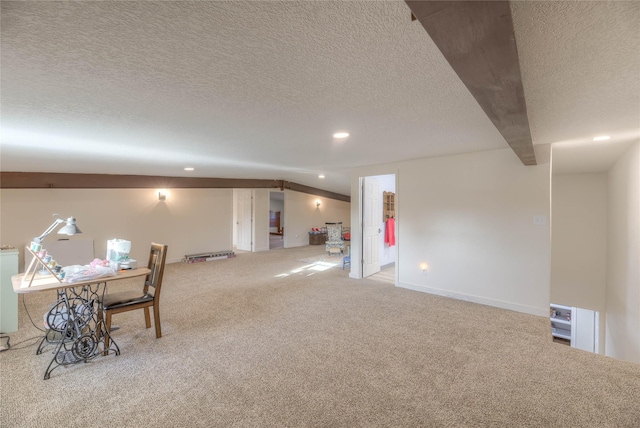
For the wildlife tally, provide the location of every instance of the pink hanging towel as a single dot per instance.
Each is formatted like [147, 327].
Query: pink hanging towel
[390, 232]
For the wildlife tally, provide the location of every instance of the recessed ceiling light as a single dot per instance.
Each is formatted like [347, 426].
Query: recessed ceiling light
[189, 168]
[341, 135]
[602, 138]
[321, 176]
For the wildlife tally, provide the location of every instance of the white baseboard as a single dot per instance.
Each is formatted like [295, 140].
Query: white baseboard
[544, 312]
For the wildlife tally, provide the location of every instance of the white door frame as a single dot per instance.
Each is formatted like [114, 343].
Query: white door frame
[357, 211]
[358, 260]
[283, 215]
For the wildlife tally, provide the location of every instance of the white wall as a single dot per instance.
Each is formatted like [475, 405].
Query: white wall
[579, 240]
[189, 221]
[623, 261]
[302, 214]
[470, 217]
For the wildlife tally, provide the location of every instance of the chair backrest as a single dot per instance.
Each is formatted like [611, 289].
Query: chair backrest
[334, 231]
[157, 257]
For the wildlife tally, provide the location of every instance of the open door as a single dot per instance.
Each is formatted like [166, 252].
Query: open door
[244, 219]
[371, 221]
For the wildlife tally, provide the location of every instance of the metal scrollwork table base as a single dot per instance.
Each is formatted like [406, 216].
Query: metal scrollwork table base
[74, 322]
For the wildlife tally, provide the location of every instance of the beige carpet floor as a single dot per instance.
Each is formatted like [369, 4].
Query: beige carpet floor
[318, 261]
[264, 340]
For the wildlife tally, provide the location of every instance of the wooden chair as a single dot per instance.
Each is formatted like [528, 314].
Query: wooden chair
[128, 301]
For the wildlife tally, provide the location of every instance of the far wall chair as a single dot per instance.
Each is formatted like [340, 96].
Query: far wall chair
[334, 243]
[129, 301]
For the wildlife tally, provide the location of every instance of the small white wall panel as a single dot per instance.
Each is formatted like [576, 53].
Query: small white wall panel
[586, 330]
[8, 298]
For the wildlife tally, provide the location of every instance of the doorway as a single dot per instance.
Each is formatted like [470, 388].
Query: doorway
[276, 220]
[379, 227]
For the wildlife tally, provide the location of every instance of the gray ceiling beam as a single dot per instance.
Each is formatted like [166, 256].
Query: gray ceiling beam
[478, 41]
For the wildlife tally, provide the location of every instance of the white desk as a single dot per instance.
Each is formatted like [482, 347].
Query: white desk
[75, 323]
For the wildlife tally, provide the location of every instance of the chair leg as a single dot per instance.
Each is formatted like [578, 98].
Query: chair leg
[156, 320]
[147, 317]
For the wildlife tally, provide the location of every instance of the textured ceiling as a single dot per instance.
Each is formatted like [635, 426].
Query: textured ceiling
[256, 89]
[580, 64]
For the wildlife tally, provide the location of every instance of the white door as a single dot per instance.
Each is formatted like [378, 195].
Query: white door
[243, 221]
[371, 221]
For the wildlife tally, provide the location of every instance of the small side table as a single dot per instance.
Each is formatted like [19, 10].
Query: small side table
[317, 238]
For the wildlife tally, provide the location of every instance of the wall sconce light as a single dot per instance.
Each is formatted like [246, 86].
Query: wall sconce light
[424, 267]
[317, 203]
[162, 195]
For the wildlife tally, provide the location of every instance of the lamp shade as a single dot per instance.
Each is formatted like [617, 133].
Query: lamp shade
[70, 228]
